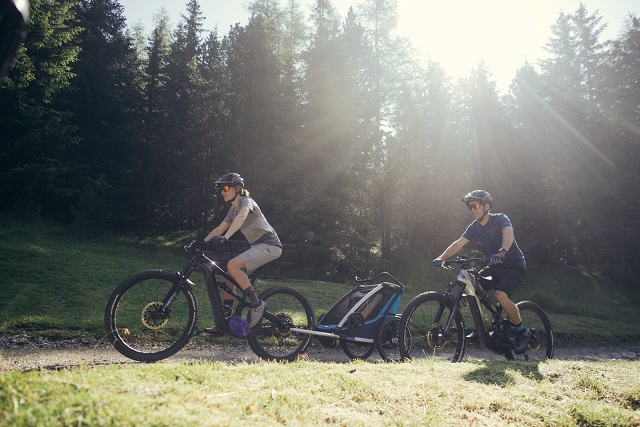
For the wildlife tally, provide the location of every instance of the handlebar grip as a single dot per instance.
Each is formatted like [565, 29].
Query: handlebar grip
[196, 245]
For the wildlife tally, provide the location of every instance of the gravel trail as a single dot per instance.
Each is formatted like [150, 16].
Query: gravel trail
[23, 352]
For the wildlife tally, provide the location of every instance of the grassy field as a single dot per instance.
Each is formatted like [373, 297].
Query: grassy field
[53, 282]
[472, 393]
[56, 285]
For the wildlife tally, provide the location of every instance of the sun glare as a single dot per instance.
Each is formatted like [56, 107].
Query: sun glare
[460, 34]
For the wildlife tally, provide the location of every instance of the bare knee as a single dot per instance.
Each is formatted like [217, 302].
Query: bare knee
[235, 265]
[237, 270]
[503, 298]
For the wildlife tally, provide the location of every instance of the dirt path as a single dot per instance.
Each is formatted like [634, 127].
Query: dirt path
[22, 352]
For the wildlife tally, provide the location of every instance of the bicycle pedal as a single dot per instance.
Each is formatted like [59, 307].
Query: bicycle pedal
[473, 338]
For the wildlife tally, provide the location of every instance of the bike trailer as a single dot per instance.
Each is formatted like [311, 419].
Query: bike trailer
[361, 311]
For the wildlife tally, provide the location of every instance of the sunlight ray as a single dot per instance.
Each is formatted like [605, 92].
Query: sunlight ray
[580, 137]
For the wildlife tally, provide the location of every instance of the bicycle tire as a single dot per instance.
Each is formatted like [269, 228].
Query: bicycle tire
[422, 332]
[387, 340]
[357, 350]
[273, 340]
[133, 324]
[541, 345]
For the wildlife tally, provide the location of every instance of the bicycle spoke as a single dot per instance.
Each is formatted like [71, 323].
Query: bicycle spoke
[541, 345]
[140, 328]
[423, 331]
[273, 339]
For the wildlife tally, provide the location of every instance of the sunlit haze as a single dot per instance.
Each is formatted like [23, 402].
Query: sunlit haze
[456, 33]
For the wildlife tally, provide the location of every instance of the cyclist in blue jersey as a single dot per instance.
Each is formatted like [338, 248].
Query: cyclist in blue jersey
[494, 233]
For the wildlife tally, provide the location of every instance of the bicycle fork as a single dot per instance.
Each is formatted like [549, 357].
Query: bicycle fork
[183, 277]
[455, 300]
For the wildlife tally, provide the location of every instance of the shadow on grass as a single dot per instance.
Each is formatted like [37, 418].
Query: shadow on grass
[503, 373]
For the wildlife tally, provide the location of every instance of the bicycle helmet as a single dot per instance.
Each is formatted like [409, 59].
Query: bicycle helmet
[231, 179]
[478, 195]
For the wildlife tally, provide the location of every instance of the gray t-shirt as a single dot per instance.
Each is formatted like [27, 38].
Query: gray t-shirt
[255, 228]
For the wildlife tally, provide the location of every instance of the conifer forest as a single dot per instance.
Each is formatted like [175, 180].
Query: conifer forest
[355, 150]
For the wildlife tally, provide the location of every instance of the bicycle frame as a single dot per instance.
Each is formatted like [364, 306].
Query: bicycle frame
[464, 297]
[433, 322]
[467, 295]
[210, 270]
[153, 314]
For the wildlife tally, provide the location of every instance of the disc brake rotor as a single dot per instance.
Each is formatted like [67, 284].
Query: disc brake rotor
[285, 322]
[534, 343]
[434, 337]
[151, 316]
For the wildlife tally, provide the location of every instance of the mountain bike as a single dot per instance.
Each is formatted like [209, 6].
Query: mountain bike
[433, 324]
[153, 314]
[363, 320]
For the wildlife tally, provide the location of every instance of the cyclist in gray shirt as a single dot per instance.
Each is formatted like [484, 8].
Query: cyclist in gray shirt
[245, 216]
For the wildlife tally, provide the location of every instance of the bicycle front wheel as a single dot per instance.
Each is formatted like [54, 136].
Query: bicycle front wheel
[273, 339]
[422, 335]
[136, 323]
[535, 319]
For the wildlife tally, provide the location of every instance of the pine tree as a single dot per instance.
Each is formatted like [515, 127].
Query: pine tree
[578, 165]
[424, 161]
[263, 97]
[379, 18]
[619, 100]
[107, 107]
[36, 129]
[533, 146]
[326, 195]
[157, 53]
[177, 140]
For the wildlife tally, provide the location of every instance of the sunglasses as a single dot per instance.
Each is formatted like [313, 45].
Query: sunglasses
[225, 188]
[475, 205]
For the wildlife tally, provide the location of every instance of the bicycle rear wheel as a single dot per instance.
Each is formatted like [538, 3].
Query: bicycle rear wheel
[535, 319]
[387, 342]
[136, 325]
[422, 329]
[273, 339]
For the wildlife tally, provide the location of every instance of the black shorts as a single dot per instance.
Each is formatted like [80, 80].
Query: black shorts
[503, 278]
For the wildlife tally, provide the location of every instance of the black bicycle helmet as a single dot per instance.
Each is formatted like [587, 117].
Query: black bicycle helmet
[230, 179]
[479, 196]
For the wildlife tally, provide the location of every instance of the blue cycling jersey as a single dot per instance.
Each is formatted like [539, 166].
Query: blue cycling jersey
[490, 238]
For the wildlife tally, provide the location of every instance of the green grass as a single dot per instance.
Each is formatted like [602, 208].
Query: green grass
[56, 285]
[432, 393]
[52, 281]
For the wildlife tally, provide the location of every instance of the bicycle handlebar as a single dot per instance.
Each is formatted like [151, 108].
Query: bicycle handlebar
[199, 246]
[398, 282]
[464, 260]
[446, 264]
